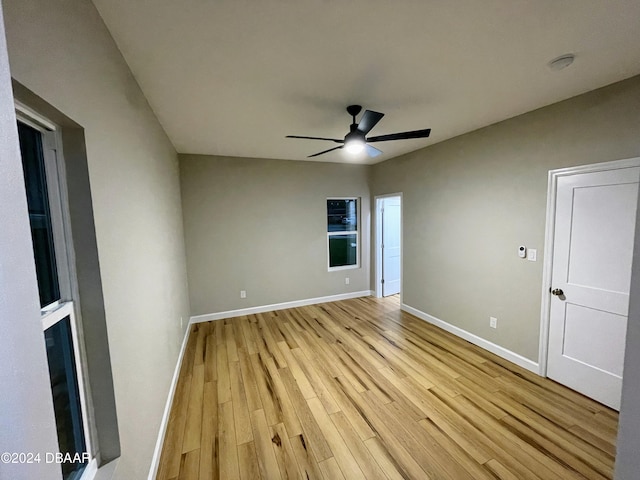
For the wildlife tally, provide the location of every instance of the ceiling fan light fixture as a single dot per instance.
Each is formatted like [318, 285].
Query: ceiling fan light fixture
[354, 146]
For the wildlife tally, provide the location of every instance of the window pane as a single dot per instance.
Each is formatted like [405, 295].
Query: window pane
[342, 215]
[39, 214]
[343, 250]
[66, 395]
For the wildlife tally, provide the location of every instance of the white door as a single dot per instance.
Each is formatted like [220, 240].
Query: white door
[391, 254]
[591, 274]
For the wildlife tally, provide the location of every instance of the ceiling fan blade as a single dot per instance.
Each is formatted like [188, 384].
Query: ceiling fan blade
[317, 138]
[401, 136]
[326, 151]
[373, 151]
[369, 120]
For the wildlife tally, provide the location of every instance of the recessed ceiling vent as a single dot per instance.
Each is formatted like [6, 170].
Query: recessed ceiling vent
[562, 62]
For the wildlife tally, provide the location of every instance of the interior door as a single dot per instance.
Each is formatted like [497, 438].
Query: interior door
[591, 274]
[391, 251]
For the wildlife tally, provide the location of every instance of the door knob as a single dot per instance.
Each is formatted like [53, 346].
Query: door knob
[557, 291]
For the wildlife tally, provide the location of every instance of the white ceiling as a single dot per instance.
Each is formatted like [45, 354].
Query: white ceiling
[233, 77]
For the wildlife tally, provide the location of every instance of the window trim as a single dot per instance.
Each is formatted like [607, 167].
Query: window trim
[67, 305]
[343, 233]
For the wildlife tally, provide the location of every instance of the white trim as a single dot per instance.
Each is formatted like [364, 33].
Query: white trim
[378, 202]
[277, 306]
[66, 305]
[554, 175]
[155, 460]
[50, 317]
[32, 118]
[90, 470]
[344, 233]
[476, 340]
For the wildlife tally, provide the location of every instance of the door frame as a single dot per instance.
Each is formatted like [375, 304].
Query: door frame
[547, 266]
[378, 199]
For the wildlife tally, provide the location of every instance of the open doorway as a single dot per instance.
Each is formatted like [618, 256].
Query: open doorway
[388, 245]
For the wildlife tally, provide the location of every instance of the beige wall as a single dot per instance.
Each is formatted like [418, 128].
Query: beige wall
[260, 226]
[61, 50]
[26, 408]
[471, 201]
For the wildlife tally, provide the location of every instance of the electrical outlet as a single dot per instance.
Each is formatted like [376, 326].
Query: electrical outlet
[532, 254]
[346, 280]
[181, 323]
[493, 322]
[243, 294]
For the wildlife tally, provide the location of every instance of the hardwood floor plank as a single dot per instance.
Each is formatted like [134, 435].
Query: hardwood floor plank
[287, 411]
[199, 353]
[247, 462]
[360, 453]
[240, 409]
[229, 468]
[429, 454]
[500, 471]
[341, 452]
[210, 359]
[331, 470]
[530, 457]
[230, 342]
[294, 367]
[189, 466]
[266, 389]
[285, 456]
[384, 459]
[269, 345]
[250, 343]
[251, 391]
[316, 441]
[556, 433]
[360, 389]
[224, 381]
[193, 424]
[317, 384]
[389, 434]
[458, 454]
[209, 440]
[267, 462]
[306, 462]
[172, 448]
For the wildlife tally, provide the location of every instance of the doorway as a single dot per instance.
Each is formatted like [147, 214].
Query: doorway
[590, 236]
[388, 245]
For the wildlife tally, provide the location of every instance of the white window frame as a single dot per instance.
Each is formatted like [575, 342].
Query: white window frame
[344, 233]
[65, 258]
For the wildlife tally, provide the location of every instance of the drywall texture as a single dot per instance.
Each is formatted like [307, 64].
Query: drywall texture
[627, 461]
[469, 202]
[61, 50]
[26, 408]
[261, 226]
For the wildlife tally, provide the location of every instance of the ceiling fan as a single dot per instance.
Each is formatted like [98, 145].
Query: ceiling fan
[356, 140]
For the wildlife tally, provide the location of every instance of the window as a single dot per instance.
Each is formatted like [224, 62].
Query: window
[51, 247]
[342, 233]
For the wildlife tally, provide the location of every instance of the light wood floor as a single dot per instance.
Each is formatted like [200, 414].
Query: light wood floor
[358, 389]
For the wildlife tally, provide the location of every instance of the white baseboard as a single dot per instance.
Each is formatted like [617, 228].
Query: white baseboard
[476, 340]
[155, 461]
[278, 306]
